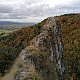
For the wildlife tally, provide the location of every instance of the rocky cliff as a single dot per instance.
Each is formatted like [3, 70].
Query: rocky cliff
[53, 54]
[43, 58]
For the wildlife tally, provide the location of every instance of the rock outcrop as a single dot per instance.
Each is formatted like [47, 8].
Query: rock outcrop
[43, 58]
[58, 51]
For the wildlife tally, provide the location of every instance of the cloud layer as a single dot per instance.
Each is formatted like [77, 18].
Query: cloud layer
[28, 9]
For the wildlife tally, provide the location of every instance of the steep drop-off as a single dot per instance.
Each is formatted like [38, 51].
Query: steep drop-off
[51, 54]
[43, 57]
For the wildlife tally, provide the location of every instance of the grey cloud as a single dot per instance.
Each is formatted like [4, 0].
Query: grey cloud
[5, 8]
[26, 10]
[29, 2]
[4, 16]
[74, 7]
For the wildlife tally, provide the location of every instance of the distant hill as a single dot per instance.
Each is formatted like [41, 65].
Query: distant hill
[10, 24]
[14, 23]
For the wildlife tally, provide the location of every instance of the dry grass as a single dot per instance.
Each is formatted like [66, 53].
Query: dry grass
[14, 69]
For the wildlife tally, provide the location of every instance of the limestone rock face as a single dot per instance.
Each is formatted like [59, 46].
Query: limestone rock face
[58, 51]
[43, 58]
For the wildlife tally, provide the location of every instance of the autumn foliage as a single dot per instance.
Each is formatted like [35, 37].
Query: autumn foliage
[12, 44]
[71, 38]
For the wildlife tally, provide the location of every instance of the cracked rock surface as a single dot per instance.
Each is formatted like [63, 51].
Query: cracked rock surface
[43, 58]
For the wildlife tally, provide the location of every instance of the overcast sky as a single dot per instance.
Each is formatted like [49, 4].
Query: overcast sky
[36, 10]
